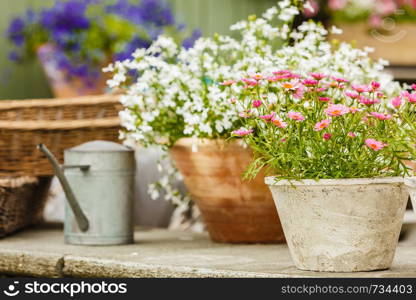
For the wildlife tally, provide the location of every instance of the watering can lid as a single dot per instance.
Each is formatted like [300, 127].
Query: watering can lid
[100, 146]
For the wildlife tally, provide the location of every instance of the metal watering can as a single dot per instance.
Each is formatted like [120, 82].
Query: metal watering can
[98, 181]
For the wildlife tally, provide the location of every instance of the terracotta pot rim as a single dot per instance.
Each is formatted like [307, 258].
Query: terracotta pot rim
[204, 142]
[271, 181]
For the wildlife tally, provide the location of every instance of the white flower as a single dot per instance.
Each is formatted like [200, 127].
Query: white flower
[336, 30]
[288, 14]
[270, 13]
[308, 6]
[284, 3]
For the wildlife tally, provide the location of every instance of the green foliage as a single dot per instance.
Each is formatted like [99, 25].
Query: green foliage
[322, 130]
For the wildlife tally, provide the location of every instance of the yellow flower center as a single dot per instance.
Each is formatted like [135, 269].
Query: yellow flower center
[288, 85]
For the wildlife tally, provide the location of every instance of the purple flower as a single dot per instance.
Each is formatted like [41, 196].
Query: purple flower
[135, 43]
[156, 11]
[147, 13]
[14, 56]
[66, 16]
[15, 31]
[189, 42]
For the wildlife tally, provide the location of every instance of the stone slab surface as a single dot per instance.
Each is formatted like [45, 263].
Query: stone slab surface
[161, 253]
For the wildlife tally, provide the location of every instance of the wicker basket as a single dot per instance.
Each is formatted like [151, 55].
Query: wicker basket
[22, 200]
[58, 123]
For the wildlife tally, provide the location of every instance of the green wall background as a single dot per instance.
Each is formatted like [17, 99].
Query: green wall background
[28, 81]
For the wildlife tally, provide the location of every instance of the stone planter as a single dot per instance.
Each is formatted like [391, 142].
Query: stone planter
[395, 44]
[234, 211]
[346, 225]
[61, 86]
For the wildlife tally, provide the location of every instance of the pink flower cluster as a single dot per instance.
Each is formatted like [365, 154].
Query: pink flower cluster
[319, 100]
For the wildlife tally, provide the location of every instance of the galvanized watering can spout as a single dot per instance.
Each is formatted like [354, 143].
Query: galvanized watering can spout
[80, 217]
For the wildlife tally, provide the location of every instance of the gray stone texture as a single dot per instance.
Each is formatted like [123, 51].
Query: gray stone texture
[161, 253]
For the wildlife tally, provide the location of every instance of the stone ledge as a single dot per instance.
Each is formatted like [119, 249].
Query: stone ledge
[41, 252]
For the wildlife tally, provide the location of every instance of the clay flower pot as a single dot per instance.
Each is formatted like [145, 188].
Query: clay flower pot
[346, 225]
[61, 86]
[234, 210]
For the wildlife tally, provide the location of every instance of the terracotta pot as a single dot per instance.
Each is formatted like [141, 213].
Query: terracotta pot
[63, 87]
[234, 210]
[396, 45]
[341, 225]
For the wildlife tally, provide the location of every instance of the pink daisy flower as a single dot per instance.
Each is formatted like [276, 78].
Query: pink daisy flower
[396, 102]
[269, 117]
[285, 74]
[310, 82]
[324, 99]
[282, 72]
[361, 88]
[375, 85]
[380, 116]
[291, 85]
[279, 123]
[351, 134]
[412, 98]
[336, 110]
[354, 109]
[322, 89]
[242, 132]
[228, 82]
[367, 101]
[249, 82]
[298, 94]
[245, 114]
[296, 116]
[351, 94]
[374, 144]
[318, 76]
[257, 77]
[340, 79]
[327, 136]
[257, 103]
[322, 125]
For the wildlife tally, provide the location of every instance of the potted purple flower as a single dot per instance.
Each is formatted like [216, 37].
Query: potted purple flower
[75, 39]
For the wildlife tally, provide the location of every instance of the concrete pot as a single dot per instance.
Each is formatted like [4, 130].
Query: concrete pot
[342, 225]
[234, 211]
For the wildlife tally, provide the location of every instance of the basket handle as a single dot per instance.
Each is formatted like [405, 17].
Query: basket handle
[60, 102]
[59, 124]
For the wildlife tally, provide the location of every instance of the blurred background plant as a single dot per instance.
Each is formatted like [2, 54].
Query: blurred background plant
[74, 39]
[210, 16]
[371, 11]
[388, 26]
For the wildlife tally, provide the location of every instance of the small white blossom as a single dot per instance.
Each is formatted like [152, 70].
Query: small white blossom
[336, 30]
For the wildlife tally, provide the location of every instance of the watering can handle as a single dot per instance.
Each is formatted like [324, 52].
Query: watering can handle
[80, 217]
